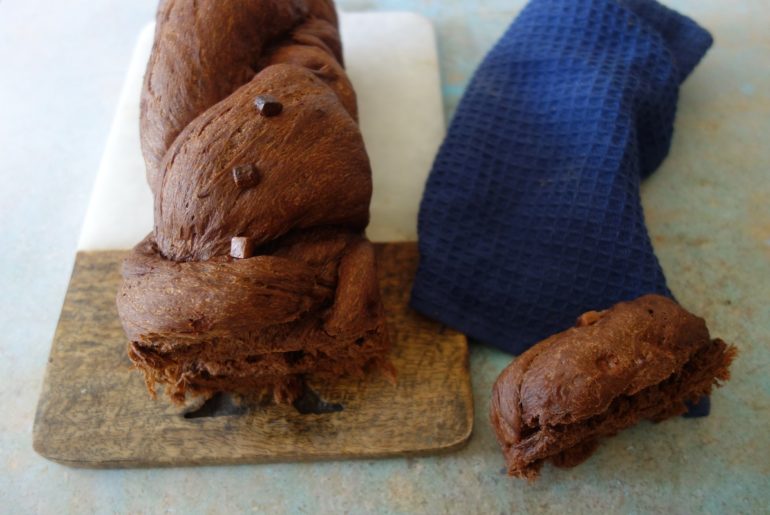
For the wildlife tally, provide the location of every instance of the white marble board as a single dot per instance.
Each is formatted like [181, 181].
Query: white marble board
[392, 62]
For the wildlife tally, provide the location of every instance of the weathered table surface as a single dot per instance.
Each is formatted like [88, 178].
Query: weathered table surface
[708, 209]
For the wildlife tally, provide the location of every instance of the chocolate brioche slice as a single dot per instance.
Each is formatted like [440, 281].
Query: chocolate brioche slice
[257, 274]
[637, 360]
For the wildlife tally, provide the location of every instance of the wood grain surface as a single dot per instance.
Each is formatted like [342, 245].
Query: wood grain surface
[94, 411]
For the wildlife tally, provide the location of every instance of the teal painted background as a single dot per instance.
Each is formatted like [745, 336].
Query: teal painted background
[708, 209]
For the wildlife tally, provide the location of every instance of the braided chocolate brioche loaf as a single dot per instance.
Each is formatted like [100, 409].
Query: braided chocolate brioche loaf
[257, 272]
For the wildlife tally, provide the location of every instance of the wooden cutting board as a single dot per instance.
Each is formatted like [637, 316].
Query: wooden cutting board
[94, 411]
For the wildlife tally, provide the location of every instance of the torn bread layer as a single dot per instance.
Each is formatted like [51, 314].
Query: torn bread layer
[638, 360]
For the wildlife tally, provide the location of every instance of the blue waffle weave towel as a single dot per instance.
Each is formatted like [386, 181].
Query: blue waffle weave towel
[531, 214]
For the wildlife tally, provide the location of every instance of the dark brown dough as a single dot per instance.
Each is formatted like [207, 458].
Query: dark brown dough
[637, 360]
[248, 129]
